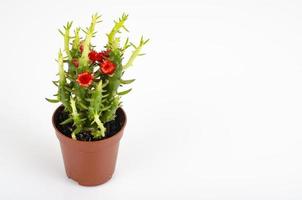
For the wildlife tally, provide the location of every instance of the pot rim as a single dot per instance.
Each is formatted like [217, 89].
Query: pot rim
[89, 142]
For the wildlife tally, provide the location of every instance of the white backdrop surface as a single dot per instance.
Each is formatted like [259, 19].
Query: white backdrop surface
[215, 112]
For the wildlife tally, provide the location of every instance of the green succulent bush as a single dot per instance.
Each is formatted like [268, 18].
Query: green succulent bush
[89, 80]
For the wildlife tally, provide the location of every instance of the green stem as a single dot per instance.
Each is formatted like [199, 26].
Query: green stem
[102, 129]
[66, 39]
[112, 40]
[135, 53]
[63, 94]
[84, 60]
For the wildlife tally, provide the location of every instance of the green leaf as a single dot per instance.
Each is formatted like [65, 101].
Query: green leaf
[61, 32]
[82, 105]
[106, 108]
[52, 100]
[104, 85]
[127, 81]
[67, 121]
[55, 83]
[68, 89]
[124, 92]
[105, 95]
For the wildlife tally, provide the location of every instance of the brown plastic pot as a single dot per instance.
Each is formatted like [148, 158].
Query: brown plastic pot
[89, 163]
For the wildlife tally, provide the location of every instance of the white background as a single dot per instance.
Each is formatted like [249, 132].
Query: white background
[215, 112]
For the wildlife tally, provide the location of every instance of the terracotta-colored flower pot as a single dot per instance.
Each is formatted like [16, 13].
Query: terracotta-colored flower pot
[89, 163]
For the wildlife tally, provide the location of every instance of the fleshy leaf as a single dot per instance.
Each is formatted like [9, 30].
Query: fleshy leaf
[124, 92]
[127, 81]
[53, 100]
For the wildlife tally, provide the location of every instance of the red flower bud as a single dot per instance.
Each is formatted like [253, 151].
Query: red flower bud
[93, 56]
[107, 67]
[85, 79]
[75, 62]
[106, 53]
[103, 55]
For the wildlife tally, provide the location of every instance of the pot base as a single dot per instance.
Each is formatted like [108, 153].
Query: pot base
[91, 184]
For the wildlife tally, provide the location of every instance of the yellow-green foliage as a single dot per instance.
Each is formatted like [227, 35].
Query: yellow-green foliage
[90, 106]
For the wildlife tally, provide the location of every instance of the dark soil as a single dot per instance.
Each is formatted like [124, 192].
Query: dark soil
[112, 127]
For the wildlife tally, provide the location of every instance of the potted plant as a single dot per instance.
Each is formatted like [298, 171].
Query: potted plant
[90, 122]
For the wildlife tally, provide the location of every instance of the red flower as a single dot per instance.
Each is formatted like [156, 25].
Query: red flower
[99, 57]
[75, 62]
[107, 67]
[85, 79]
[93, 56]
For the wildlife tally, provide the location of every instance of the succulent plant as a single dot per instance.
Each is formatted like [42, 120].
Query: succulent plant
[89, 80]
